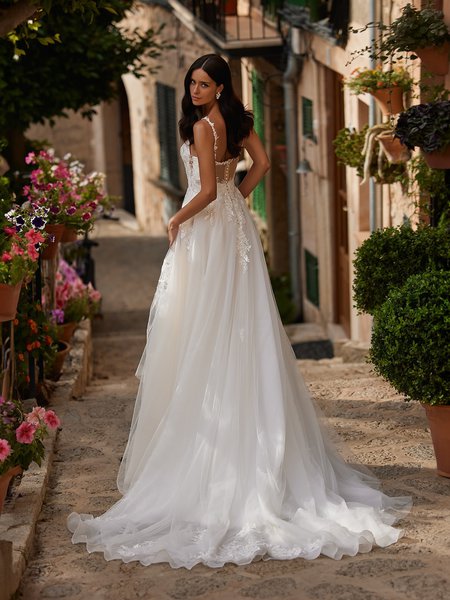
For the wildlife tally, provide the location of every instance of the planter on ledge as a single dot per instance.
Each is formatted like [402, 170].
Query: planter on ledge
[435, 58]
[439, 159]
[9, 298]
[390, 100]
[439, 421]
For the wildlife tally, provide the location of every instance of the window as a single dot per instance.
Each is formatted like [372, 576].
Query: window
[167, 132]
[312, 277]
[307, 118]
[259, 193]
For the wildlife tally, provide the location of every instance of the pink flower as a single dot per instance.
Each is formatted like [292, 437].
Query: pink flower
[34, 236]
[29, 159]
[87, 216]
[10, 230]
[36, 415]
[6, 256]
[25, 433]
[5, 450]
[32, 252]
[51, 419]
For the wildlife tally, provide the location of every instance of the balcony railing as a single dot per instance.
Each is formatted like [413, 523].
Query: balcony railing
[233, 24]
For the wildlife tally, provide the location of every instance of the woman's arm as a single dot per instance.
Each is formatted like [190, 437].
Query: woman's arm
[260, 165]
[204, 145]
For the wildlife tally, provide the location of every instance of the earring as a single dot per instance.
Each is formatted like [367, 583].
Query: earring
[218, 95]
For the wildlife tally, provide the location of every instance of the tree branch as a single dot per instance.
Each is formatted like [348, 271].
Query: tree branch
[14, 15]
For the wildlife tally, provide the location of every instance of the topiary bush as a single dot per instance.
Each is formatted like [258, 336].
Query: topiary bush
[410, 338]
[390, 256]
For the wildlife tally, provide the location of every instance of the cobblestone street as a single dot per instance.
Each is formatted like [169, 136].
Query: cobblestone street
[377, 427]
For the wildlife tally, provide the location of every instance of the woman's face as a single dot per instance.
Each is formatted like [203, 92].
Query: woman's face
[202, 88]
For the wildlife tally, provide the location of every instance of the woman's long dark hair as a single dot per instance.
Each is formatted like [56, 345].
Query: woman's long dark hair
[239, 122]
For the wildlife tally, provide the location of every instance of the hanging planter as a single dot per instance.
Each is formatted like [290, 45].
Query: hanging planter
[9, 298]
[395, 151]
[51, 248]
[390, 100]
[427, 126]
[439, 159]
[435, 58]
[439, 422]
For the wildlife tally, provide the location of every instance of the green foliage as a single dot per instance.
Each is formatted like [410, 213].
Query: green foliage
[426, 182]
[410, 338]
[412, 30]
[348, 147]
[390, 256]
[416, 29]
[80, 72]
[425, 125]
[370, 80]
[281, 286]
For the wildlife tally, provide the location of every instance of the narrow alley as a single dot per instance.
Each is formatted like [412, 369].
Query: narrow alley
[378, 428]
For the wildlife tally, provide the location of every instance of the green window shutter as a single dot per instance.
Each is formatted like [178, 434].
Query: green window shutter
[167, 132]
[307, 118]
[313, 5]
[312, 277]
[259, 193]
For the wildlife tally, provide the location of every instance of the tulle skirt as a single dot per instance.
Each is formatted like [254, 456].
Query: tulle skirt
[226, 459]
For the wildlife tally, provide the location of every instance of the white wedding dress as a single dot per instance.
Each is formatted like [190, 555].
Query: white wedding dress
[226, 460]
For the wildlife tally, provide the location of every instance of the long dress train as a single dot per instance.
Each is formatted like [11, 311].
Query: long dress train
[226, 460]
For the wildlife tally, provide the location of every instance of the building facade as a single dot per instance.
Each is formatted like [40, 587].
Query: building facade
[289, 61]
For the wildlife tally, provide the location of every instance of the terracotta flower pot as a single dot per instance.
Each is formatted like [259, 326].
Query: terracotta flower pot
[439, 159]
[69, 235]
[394, 149]
[390, 100]
[435, 58]
[66, 331]
[57, 365]
[9, 297]
[5, 480]
[439, 421]
[51, 248]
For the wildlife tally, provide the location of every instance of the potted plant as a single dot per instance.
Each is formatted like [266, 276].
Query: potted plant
[427, 126]
[387, 258]
[387, 86]
[422, 32]
[349, 148]
[71, 198]
[410, 350]
[19, 244]
[34, 336]
[21, 439]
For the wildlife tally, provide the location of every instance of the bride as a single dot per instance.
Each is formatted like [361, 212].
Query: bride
[226, 461]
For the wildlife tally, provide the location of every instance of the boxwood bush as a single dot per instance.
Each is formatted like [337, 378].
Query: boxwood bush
[390, 256]
[410, 338]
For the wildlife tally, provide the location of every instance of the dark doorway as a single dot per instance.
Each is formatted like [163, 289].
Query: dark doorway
[127, 155]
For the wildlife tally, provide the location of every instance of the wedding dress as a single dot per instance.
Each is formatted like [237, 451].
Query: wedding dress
[226, 460]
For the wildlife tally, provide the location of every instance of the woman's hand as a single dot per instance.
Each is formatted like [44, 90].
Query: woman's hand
[172, 230]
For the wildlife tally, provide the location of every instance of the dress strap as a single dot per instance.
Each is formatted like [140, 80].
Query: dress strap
[216, 137]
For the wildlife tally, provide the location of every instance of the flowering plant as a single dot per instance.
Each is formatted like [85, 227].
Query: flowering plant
[20, 240]
[370, 80]
[75, 300]
[22, 435]
[34, 336]
[60, 185]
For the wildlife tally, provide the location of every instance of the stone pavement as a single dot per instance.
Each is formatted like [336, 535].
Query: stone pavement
[372, 425]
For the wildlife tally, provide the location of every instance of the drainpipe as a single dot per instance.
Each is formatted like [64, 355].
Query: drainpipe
[372, 119]
[290, 77]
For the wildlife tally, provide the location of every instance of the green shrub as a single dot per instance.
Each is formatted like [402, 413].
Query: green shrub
[390, 256]
[410, 338]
